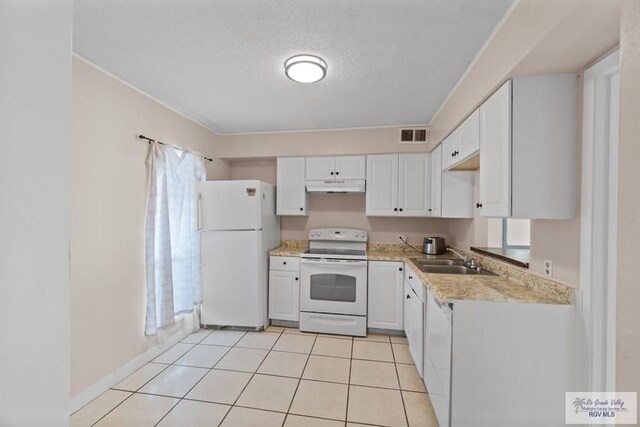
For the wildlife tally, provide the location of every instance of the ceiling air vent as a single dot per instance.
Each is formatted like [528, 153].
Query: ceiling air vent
[414, 136]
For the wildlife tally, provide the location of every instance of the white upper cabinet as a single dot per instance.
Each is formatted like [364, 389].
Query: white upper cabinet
[330, 168]
[462, 143]
[290, 192]
[351, 167]
[469, 138]
[528, 146]
[495, 158]
[320, 168]
[398, 185]
[436, 182]
[413, 184]
[382, 185]
[449, 147]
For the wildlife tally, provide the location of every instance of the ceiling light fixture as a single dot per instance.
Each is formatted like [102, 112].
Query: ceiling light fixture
[305, 68]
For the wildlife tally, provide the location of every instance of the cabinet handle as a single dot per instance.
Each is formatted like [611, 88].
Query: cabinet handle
[410, 277]
[331, 173]
[395, 209]
[408, 296]
[456, 152]
[337, 173]
[430, 209]
[301, 209]
[284, 262]
[400, 269]
[453, 154]
[296, 279]
[400, 209]
[478, 205]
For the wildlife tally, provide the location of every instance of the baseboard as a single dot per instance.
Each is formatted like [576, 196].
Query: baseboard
[183, 329]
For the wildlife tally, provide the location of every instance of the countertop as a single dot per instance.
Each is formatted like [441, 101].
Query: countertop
[511, 285]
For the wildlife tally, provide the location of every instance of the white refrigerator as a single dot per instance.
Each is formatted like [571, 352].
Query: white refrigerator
[238, 227]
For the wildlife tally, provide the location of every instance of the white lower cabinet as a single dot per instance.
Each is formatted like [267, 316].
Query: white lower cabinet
[413, 317]
[494, 363]
[284, 288]
[437, 357]
[385, 305]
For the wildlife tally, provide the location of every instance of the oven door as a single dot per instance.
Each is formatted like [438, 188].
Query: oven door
[333, 286]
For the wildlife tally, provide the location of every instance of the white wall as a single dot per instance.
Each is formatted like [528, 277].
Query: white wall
[107, 213]
[35, 183]
[314, 143]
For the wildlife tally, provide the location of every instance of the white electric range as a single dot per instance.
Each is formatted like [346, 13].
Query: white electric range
[333, 282]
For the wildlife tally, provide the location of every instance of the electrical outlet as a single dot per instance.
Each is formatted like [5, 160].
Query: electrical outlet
[548, 267]
[402, 237]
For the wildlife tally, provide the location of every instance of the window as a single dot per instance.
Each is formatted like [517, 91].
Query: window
[516, 233]
[508, 233]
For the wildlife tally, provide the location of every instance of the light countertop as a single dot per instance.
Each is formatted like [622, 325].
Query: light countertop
[511, 285]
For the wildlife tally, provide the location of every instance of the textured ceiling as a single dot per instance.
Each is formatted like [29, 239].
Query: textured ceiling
[390, 62]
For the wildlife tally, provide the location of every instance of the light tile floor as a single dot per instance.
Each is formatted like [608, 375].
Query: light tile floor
[280, 377]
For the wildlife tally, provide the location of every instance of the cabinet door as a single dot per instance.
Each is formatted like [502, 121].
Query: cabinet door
[320, 168]
[382, 185]
[406, 310]
[284, 295]
[457, 195]
[436, 182]
[437, 357]
[495, 158]
[290, 192]
[385, 289]
[351, 167]
[449, 146]
[414, 184]
[469, 138]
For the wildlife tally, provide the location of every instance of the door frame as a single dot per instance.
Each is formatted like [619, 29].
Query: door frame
[599, 209]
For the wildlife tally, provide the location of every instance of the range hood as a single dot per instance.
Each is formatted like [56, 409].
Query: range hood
[336, 186]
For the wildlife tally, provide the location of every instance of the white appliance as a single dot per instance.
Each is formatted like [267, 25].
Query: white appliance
[333, 282]
[238, 227]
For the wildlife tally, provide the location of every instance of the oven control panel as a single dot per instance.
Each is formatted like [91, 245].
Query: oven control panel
[338, 234]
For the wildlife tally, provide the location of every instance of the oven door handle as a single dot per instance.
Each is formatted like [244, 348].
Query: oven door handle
[318, 261]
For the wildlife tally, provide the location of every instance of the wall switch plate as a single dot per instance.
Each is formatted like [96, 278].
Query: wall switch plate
[548, 267]
[402, 237]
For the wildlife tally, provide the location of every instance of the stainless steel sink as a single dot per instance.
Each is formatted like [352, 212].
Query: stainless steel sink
[454, 269]
[425, 262]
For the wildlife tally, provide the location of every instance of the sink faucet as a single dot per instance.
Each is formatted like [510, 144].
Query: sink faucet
[469, 262]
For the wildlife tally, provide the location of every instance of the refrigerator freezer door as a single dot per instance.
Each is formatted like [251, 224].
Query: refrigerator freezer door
[229, 205]
[234, 280]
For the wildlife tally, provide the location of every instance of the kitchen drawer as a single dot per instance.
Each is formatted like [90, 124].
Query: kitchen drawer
[414, 281]
[284, 263]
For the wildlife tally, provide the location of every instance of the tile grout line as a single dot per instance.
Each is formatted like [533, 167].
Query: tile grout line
[346, 415]
[139, 388]
[151, 379]
[404, 407]
[250, 379]
[197, 382]
[255, 372]
[299, 380]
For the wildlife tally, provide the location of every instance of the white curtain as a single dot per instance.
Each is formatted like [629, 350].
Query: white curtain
[171, 236]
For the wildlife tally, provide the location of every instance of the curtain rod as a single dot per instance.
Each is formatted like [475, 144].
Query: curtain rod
[149, 140]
